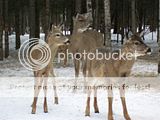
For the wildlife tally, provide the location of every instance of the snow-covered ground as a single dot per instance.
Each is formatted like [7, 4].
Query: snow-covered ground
[15, 101]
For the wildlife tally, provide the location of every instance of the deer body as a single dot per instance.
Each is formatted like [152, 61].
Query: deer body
[115, 68]
[54, 40]
[84, 39]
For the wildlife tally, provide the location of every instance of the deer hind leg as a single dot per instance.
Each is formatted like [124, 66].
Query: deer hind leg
[110, 101]
[123, 100]
[45, 107]
[87, 111]
[37, 88]
[84, 66]
[96, 110]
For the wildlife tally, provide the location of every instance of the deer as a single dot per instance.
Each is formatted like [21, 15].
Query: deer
[55, 39]
[115, 68]
[83, 39]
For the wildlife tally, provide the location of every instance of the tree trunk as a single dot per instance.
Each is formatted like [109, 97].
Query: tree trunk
[159, 37]
[32, 19]
[17, 25]
[78, 6]
[37, 16]
[6, 30]
[89, 5]
[107, 34]
[133, 16]
[47, 14]
[97, 15]
[1, 30]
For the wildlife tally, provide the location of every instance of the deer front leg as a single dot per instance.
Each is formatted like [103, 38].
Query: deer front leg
[37, 88]
[123, 100]
[45, 107]
[110, 101]
[87, 111]
[95, 101]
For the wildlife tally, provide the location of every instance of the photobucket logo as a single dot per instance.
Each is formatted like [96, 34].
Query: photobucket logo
[34, 54]
[118, 55]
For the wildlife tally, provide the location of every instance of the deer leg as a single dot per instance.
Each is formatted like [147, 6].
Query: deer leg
[45, 107]
[125, 111]
[55, 89]
[95, 101]
[37, 88]
[66, 58]
[110, 101]
[77, 67]
[87, 111]
[84, 74]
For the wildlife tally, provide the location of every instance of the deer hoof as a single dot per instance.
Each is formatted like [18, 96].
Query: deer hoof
[87, 113]
[33, 112]
[56, 100]
[110, 118]
[45, 111]
[127, 117]
[97, 111]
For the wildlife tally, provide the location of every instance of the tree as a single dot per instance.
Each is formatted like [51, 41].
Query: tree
[133, 16]
[107, 23]
[78, 6]
[159, 36]
[1, 29]
[17, 24]
[47, 15]
[6, 30]
[32, 18]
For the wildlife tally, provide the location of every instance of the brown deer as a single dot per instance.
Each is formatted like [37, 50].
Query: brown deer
[82, 39]
[54, 39]
[115, 68]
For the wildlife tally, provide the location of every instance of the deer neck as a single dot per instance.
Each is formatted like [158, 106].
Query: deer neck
[53, 49]
[128, 59]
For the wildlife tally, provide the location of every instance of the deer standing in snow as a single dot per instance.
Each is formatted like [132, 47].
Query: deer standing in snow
[115, 68]
[54, 40]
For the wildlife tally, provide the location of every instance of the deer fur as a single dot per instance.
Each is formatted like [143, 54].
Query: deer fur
[54, 40]
[115, 68]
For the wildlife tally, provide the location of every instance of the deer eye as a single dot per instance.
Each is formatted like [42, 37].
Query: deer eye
[136, 43]
[58, 35]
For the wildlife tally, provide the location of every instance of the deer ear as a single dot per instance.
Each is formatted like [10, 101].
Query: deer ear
[130, 34]
[142, 34]
[61, 26]
[77, 15]
[53, 27]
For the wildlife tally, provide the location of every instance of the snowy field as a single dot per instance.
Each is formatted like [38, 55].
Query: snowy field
[15, 102]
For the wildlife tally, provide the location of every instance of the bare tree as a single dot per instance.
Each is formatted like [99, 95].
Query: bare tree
[47, 14]
[159, 36]
[78, 6]
[32, 18]
[107, 34]
[17, 24]
[1, 30]
[133, 16]
[6, 30]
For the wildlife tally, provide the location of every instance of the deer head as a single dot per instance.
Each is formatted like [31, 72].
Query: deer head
[136, 46]
[82, 22]
[56, 37]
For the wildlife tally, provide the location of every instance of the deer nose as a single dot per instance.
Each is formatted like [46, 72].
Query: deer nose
[67, 41]
[149, 51]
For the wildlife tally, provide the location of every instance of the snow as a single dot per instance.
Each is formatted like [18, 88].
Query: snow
[16, 98]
